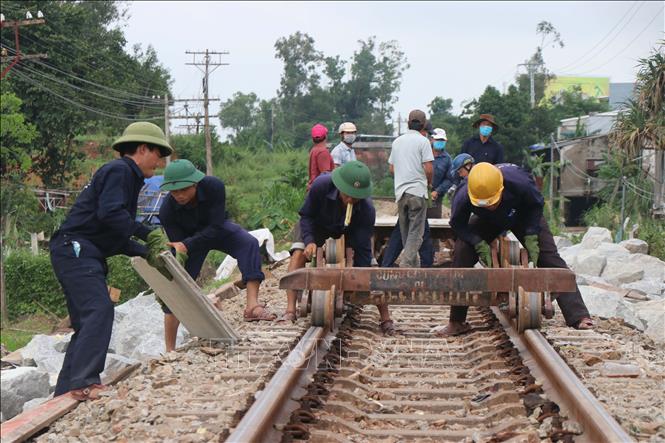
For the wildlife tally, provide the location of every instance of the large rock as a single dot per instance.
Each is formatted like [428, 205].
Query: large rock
[613, 251]
[635, 246]
[562, 242]
[619, 272]
[568, 254]
[652, 287]
[114, 364]
[653, 267]
[652, 314]
[138, 329]
[46, 351]
[606, 304]
[20, 385]
[589, 262]
[594, 236]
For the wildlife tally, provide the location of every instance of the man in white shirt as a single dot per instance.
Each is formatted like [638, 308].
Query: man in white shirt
[343, 152]
[411, 162]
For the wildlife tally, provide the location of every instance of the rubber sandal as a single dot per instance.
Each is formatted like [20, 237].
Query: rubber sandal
[446, 332]
[388, 327]
[287, 317]
[92, 392]
[262, 315]
[584, 324]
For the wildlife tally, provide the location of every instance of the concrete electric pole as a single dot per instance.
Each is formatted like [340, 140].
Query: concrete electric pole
[207, 64]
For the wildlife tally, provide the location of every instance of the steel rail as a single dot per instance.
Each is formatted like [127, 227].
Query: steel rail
[562, 385]
[257, 423]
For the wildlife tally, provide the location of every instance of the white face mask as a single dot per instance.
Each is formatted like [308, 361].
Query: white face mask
[349, 138]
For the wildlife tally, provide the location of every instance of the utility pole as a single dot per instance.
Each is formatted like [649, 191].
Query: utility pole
[531, 70]
[167, 130]
[207, 63]
[16, 24]
[189, 116]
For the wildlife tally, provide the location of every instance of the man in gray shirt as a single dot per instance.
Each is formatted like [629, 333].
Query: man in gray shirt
[411, 163]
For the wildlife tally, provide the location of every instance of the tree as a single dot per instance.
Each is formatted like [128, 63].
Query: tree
[16, 137]
[643, 125]
[89, 83]
[239, 112]
[549, 37]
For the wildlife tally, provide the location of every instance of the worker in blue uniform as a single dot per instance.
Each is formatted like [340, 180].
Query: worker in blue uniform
[195, 220]
[504, 197]
[100, 224]
[323, 216]
[462, 164]
[441, 180]
[483, 147]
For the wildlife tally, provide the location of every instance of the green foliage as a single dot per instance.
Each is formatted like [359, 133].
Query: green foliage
[123, 276]
[193, 148]
[32, 287]
[644, 122]
[89, 82]
[22, 214]
[16, 136]
[315, 88]
[19, 333]
[267, 194]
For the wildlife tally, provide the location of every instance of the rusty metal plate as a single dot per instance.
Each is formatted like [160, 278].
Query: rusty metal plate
[431, 280]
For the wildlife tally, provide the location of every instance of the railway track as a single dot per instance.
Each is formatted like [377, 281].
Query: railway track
[343, 382]
[414, 387]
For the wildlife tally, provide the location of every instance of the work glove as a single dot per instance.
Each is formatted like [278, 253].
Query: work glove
[531, 244]
[483, 251]
[156, 243]
[452, 190]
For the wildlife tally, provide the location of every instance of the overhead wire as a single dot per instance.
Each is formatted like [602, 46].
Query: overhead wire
[147, 99]
[64, 52]
[582, 58]
[63, 82]
[627, 46]
[81, 105]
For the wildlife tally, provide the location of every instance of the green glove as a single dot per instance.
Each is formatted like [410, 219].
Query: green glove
[156, 242]
[181, 257]
[531, 244]
[483, 251]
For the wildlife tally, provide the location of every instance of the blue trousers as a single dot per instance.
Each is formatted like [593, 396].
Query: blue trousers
[395, 247]
[83, 280]
[237, 243]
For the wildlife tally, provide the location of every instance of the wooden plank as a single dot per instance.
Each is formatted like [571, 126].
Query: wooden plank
[185, 299]
[28, 423]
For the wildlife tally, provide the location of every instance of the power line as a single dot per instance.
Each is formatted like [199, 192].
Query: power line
[627, 46]
[83, 106]
[65, 54]
[570, 65]
[147, 99]
[62, 82]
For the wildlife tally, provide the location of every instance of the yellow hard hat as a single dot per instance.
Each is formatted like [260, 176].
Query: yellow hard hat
[485, 185]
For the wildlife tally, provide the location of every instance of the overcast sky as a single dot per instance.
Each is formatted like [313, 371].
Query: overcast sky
[455, 49]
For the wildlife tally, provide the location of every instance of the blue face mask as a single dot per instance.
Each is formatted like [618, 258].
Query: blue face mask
[439, 145]
[485, 131]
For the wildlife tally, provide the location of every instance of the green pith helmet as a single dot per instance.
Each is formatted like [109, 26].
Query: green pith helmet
[144, 132]
[180, 174]
[353, 179]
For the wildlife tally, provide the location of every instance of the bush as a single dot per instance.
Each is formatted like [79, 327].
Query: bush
[32, 287]
[650, 230]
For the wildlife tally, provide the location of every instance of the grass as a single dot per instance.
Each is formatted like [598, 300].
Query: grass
[17, 334]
